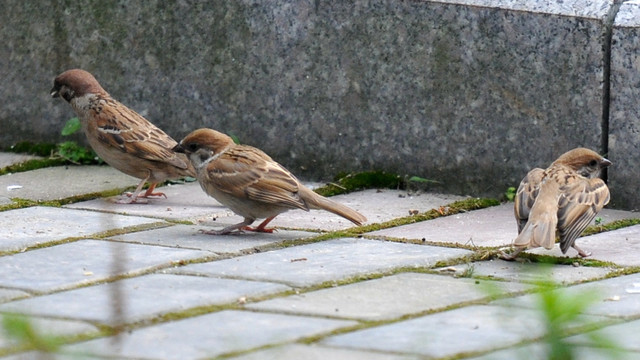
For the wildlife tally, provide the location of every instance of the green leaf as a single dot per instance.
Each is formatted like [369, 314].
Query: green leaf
[71, 126]
[234, 138]
[75, 153]
[422, 180]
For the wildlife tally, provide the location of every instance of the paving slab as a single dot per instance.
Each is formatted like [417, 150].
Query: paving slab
[8, 159]
[530, 272]
[450, 333]
[144, 297]
[624, 335]
[188, 237]
[61, 182]
[183, 202]
[620, 247]
[50, 327]
[376, 205]
[388, 297]
[489, 227]
[11, 294]
[616, 297]
[83, 262]
[325, 261]
[317, 352]
[209, 335]
[540, 351]
[493, 226]
[189, 202]
[40, 355]
[38, 225]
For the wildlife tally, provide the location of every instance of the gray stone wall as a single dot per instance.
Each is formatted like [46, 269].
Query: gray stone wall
[624, 123]
[469, 93]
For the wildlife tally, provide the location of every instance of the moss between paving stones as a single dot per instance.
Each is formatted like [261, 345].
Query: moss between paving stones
[19, 203]
[349, 182]
[32, 164]
[98, 236]
[614, 225]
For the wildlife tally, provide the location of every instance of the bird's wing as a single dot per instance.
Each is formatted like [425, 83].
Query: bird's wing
[526, 196]
[578, 205]
[247, 172]
[120, 127]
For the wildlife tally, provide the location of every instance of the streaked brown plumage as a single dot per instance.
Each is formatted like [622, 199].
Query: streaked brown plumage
[120, 136]
[250, 183]
[565, 198]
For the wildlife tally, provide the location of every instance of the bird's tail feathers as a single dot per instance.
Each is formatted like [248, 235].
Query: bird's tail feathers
[539, 233]
[319, 202]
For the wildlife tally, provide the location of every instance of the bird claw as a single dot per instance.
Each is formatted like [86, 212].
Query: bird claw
[130, 200]
[581, 252]
[259, 229]
[509, 257]
[147, 195]
[504, 256]
[158, 195]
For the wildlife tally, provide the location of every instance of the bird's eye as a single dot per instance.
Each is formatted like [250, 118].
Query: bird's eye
[593, 163]
[192, 147]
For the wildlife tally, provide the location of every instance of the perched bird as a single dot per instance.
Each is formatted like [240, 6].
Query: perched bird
[250, 183]
[565, 198]
[120, 136]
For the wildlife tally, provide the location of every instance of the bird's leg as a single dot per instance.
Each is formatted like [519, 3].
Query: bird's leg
[136, 198]
[150, 192]
[133, 197]
[229, 229]
[581, 252]
[510, 257]
[262, 227]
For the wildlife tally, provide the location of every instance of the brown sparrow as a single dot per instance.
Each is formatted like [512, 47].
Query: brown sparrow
[250, 183]
[565, 198]
[120, 136]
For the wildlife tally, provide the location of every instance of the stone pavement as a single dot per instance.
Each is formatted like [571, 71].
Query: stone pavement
[424, 290]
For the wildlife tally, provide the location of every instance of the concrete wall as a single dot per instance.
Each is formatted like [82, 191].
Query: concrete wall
[470, 93]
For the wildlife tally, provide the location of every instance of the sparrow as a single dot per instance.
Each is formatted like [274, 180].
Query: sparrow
[250, 183]
[564, 198]
[120, 136]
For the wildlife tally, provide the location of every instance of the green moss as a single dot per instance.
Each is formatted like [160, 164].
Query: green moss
[555, 260]
[348, 182]
[33, 164]
[614, 225]
[27, 147]
[624, 271]
[64, 153]
[451, 209]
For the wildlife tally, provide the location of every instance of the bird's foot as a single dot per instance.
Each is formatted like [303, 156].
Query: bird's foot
[132, 200]
[509, 256]
[259, 229]
[147, 195]
[581, 252]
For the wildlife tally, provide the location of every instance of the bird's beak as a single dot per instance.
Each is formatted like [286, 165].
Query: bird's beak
[604, 163]
[55, 93]
[179, 149]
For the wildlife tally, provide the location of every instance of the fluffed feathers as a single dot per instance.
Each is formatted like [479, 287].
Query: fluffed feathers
[250, 183]
[120, 136]
[564, 198]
